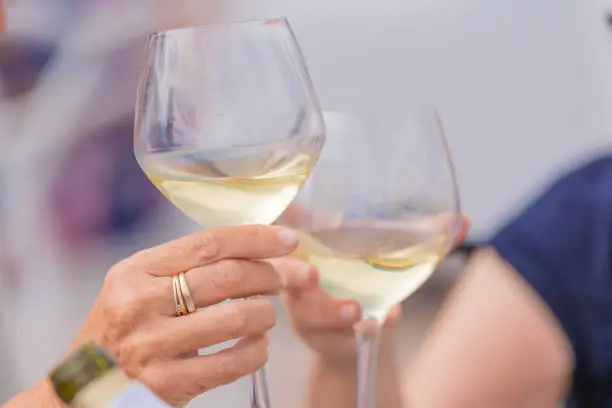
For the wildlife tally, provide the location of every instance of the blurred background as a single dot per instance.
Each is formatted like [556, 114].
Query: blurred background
[522, 87]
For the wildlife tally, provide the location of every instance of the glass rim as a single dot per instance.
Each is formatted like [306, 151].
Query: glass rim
[272, 21]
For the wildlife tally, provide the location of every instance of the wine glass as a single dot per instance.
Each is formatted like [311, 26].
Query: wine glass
[228, 126]
[378, 213]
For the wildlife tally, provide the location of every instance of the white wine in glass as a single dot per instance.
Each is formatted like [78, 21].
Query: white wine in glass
[228, 126]
[236, 187]
[379, 264]
[377, 215]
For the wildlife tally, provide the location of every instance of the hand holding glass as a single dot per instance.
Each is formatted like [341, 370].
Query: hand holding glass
[227, 124]
[378, 213]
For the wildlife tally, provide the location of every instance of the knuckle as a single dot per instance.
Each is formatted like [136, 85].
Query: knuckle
[228, 276]
[115, 274]
[237, 273]
[259, 357]
[206, 245]
[237, 320]
[228, 370]
[265, 312]
[132, 264]
[260, 234]
[122, 305]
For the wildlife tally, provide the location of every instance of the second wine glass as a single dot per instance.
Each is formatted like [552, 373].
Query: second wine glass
[377, 215]
[228, 126]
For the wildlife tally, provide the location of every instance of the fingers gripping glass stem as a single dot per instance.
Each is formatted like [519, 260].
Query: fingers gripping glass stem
[378, 213]
[228, 126]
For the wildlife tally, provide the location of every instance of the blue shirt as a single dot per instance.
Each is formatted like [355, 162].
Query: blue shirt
[562, 246]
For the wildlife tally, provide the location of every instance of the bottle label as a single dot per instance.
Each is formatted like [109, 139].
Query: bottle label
[137, 396]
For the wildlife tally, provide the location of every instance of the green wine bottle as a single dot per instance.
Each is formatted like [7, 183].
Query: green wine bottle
[90, 378]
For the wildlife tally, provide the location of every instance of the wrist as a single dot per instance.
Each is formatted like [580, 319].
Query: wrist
[46, 395]
[334, 365]
[343, 362]
[41, 395]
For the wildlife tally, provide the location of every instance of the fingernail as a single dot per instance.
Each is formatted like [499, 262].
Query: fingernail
[394, 313]
[348, 312]
[288, 237]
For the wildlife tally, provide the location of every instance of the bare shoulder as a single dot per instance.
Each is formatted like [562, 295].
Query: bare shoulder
[495, 343]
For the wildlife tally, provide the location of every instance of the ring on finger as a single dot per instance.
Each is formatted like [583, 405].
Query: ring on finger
[179, 303]
[184, 287]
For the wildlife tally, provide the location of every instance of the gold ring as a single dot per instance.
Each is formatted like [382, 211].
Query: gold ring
[191, 308]
[178, 298]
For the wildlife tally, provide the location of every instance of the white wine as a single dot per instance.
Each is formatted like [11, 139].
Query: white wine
[89, 378]
[230, 187]
[378, 264]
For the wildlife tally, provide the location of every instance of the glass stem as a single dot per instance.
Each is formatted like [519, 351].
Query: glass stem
[368, 334]
[260, 396]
